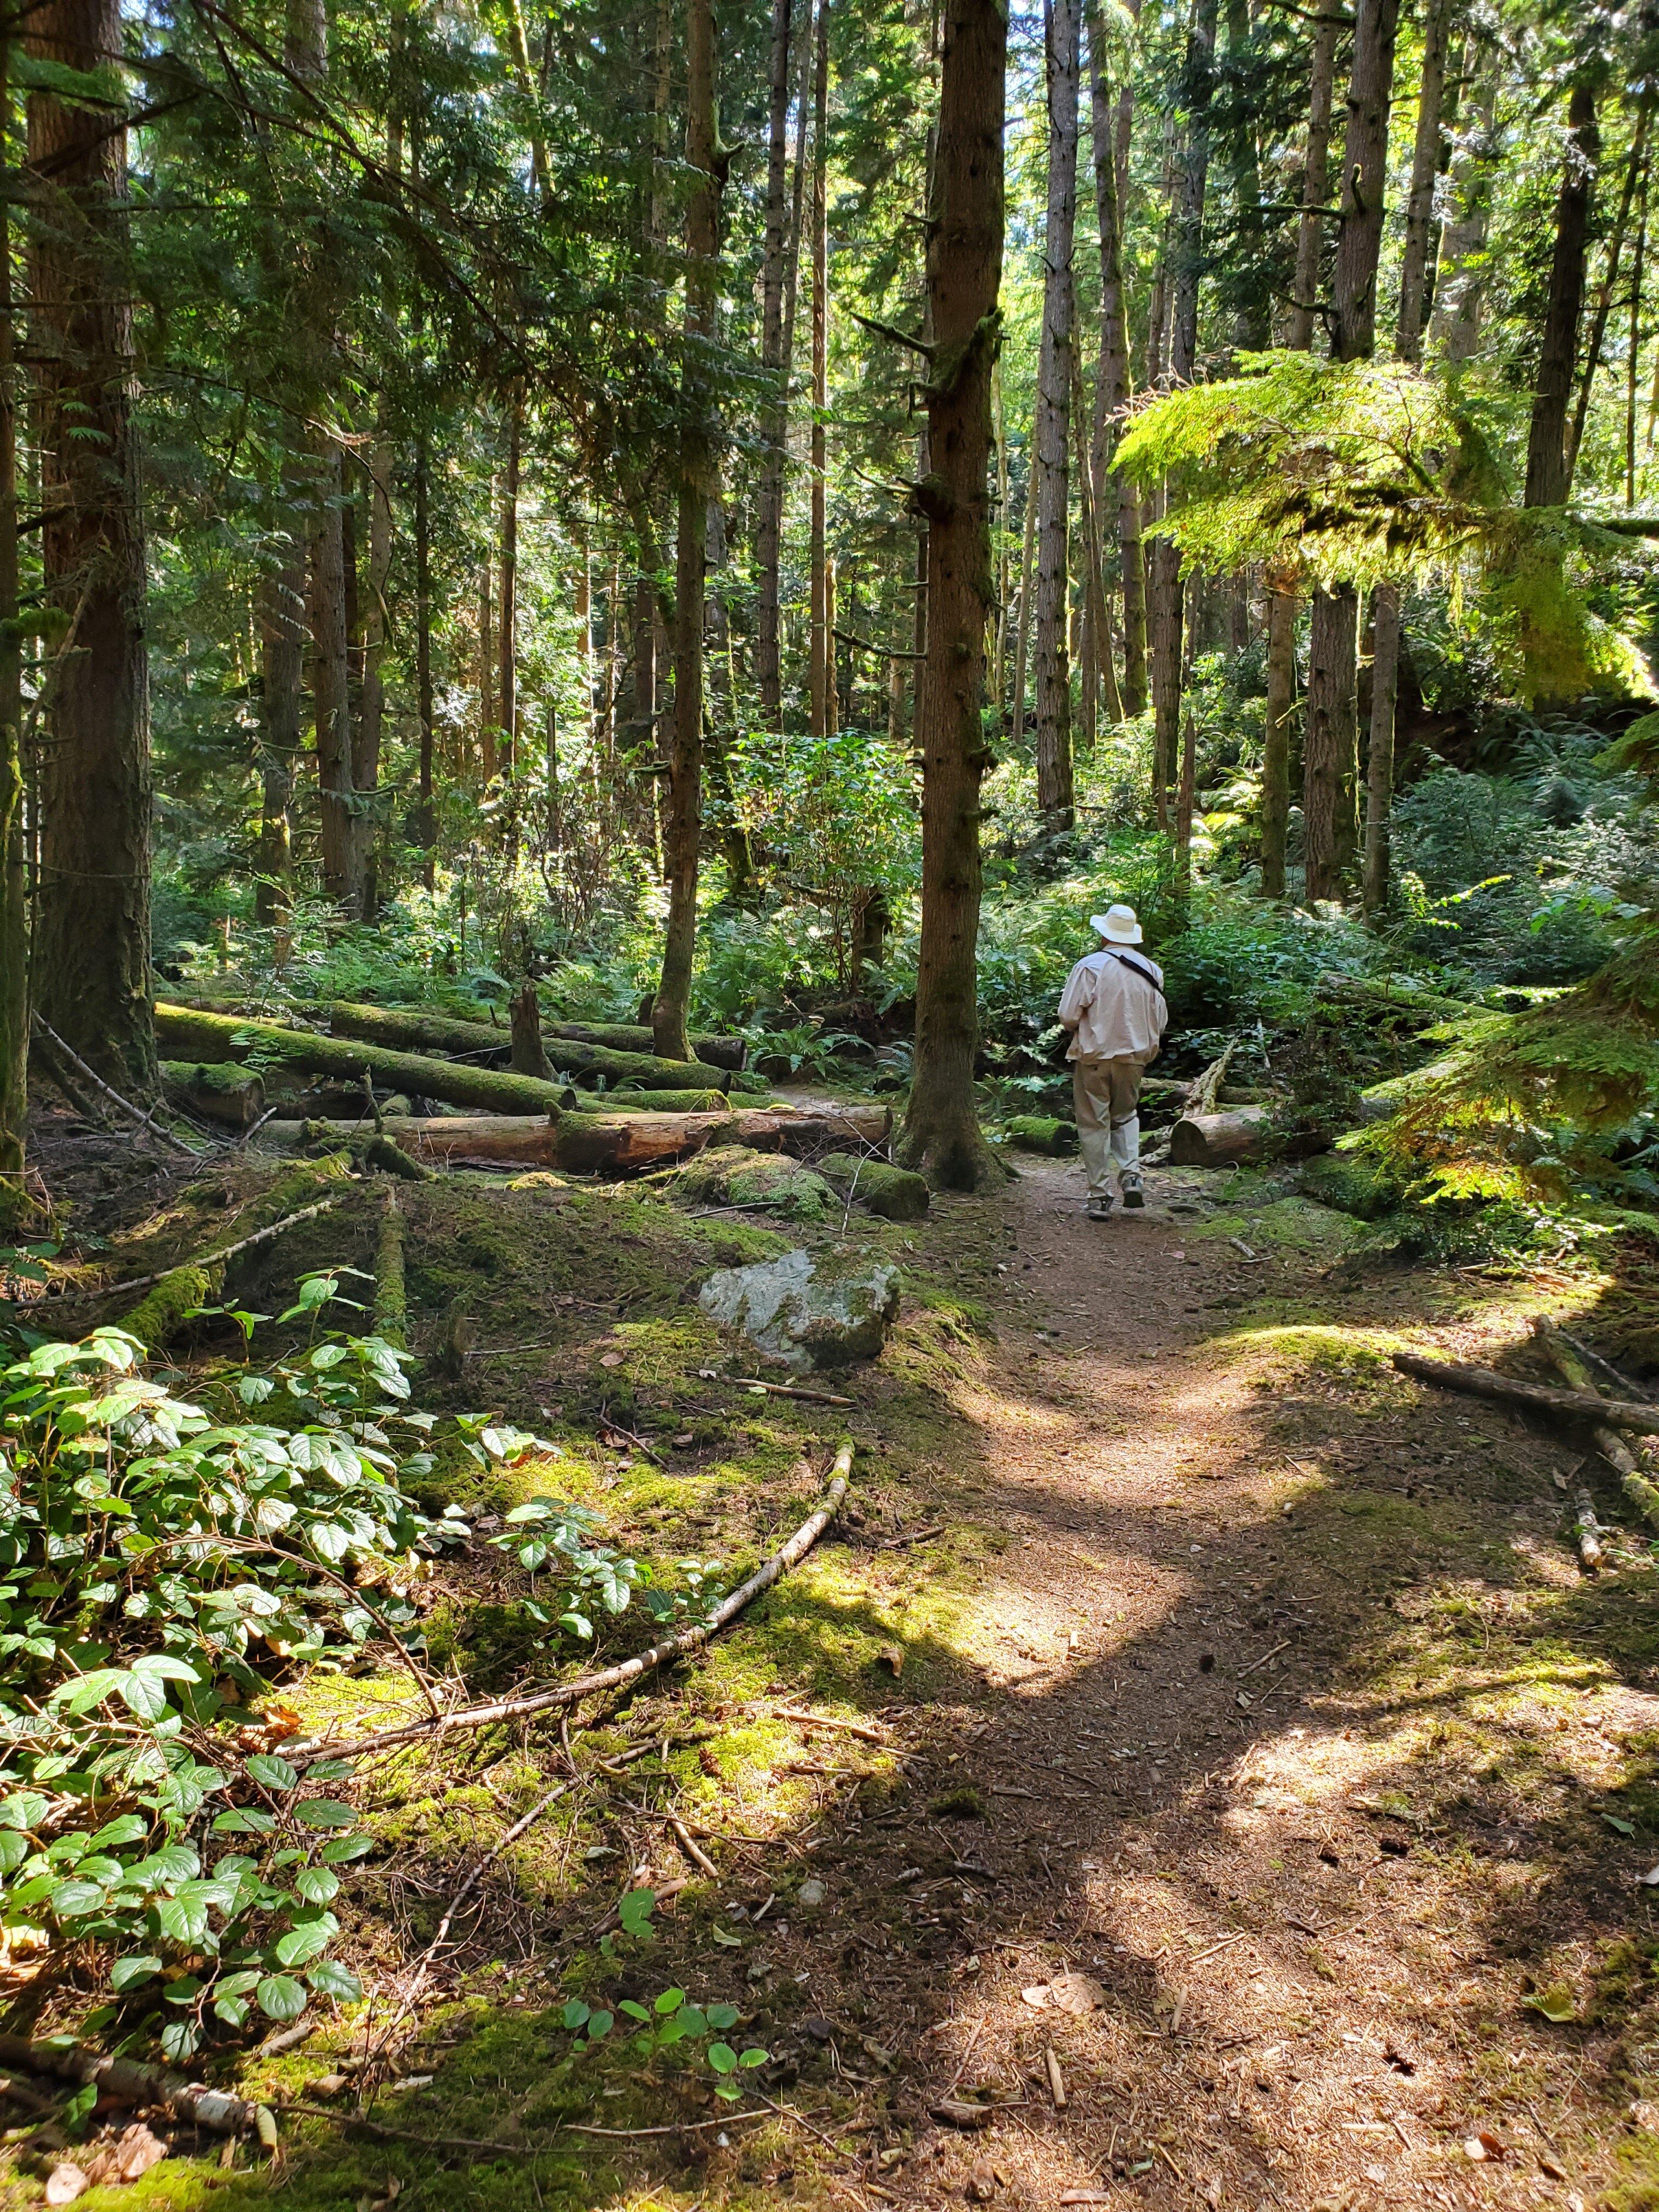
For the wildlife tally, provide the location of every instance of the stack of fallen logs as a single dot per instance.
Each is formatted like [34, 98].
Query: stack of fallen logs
[1598, 1397]
[531, 1111]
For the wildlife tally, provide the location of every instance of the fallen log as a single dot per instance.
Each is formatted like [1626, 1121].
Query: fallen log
[125, 2081]
[611, 1143]
[440, 1140]
[405, 1029]
[1220, 1140]
[661, 1102]
[1202, 1094]
[218, 1090]
[1371, 995]
[1570, 1364]
[730, 1053]
[1488, 1382]
[185, 1032]
[894, 1194]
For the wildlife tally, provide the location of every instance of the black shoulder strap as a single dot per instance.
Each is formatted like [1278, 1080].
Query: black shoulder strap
[1138, 967]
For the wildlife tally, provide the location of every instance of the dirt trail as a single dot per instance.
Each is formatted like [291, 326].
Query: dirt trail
[1260, 1747]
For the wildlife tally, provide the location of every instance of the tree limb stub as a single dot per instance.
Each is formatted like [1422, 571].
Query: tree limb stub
[128, 2082]
[1488, 1382]
[610, 1678]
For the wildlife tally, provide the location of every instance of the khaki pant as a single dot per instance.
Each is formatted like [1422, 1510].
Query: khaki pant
[1105, 1094]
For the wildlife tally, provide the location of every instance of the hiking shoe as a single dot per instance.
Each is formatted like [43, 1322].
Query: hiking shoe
[1099, 1209]
[1134, 1196]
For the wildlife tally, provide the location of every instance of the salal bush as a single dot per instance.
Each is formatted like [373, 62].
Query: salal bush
[164, 1560]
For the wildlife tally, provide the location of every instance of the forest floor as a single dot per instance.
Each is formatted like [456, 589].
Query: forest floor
[1242, 1750]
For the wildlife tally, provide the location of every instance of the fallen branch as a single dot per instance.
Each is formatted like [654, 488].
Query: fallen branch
[791, 1390]
[1590, 1532]
[1202, 1094]
[630, 1670]
[693, 1850]
[209, 1260]
[1488, 1382]
[125, 2081]
[133, 1113]
[1568, 1358]
[861, 1729]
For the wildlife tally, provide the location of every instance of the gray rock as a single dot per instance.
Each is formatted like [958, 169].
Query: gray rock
[805, 1311]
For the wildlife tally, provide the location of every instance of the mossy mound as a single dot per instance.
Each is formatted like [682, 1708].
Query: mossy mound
[893, 1192]
[1041, 1133]
[731, 1174]
[1349, 1183]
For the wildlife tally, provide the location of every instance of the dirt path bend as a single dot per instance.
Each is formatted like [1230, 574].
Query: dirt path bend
[1285, 1850]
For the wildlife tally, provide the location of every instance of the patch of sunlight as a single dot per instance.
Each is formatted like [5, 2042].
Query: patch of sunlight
[991, 1410]
[1295, 1224]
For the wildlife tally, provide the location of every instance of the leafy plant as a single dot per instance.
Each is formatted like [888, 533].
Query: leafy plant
[670, 2021]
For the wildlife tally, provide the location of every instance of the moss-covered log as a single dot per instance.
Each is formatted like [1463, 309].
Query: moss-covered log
[184, 1290]
[730, 1053]
[621, 1143]
[391, 1296]
[182, 1031]
[894, 1193]
[662, 1102]
[218, 1090]
[443, 1140]
[404, 1029]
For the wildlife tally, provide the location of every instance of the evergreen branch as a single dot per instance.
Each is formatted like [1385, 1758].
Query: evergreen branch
[888, 331]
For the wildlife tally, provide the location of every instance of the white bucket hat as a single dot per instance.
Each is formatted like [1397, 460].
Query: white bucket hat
[1118, 925]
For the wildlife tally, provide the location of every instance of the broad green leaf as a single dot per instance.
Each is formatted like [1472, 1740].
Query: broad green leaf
[722, 2057]
[330, 1979]
[306, 1941]
[317, 1885]
[324, 1813]
[271, 1772]
[126, 1973]
[281, 1997]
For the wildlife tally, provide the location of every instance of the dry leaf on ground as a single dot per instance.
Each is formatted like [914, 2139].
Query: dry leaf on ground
[127, 2156]
[65, 2182]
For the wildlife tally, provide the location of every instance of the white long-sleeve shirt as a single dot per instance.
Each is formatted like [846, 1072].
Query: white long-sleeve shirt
[1113, 1012]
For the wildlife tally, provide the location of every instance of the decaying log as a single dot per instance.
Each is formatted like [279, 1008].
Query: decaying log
[217, 1089]
[893, 1192]
[405, 1029]
[617, 1143]
[1220, 1140]
[1570, 1364]
[184, 1033]
[730, 1053]
[1488, 1382]
[659, 1101]
[390, 1292]
[528, 1057]
[125, 2081]
[443, 1139]
[1590, 1532]
[1202, 1094]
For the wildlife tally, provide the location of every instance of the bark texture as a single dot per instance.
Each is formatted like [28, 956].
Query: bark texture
[91, 974]
[768, 495]
[1116, 498]
[964, 271]
[1547, 436]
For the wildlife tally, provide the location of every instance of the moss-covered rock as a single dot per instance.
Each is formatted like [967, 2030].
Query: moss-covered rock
[807, 1310]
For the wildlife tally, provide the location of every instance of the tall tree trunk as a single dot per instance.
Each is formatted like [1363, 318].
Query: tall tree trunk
[281, 649]
[768, 494]
[489, 729]
[91, 950]
[964, 271]
[1165, 589]
[372, 712]
[1112, 391]
[1253, 301]
[1408, 345]
[684, 828]
[1298, 335]
[1277, 710]
[1330, 753]
[1056, 798]
[1460, 271]
[428, 823]
[506, 682]
[14, 906]
[330, 683]
[1099, 630]
[1027, 563]
[1633, 345]
[820, 650]
[1547, 440]
[1635, 170]
[1415, 266]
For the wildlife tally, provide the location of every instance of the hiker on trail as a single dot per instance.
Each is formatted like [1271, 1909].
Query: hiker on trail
[1114, 1007]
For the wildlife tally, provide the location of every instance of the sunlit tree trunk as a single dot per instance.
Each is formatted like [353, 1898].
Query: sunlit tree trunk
[282, 653]
[1408, 345]
[820, 656]
[1027, 563]
[1112, 382]
[507, 682]
[1330, 750]
[489, 729]
[964, 270]
[1165, 591]
[683, 825]
[1635, 171]
[423, 694]
[768, 495]
[372, 712]
[1547, 477]
[1461, 274]
[1054, 407]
